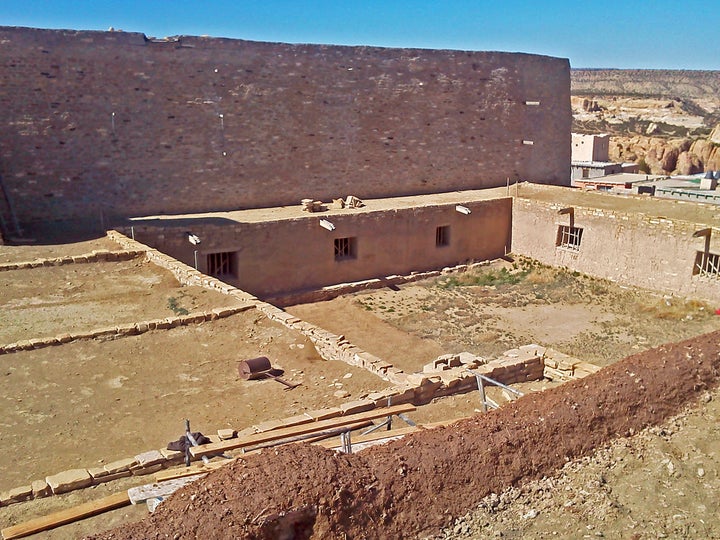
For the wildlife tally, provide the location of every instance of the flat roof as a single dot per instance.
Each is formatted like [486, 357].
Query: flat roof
[277, 213]
[683, 210]
[620, 178]
[598, 164]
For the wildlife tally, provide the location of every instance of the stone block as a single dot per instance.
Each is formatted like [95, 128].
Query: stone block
[111, 477]
[164, 324]
[324, 414]
[147, 459]
[533, 349]
[38, 343]
[417, 379]
[366, 359]
[268, 425]
[381, 366]
[142, 471]
[142, 327]
[225, 434]
[40, 489]
[172, 455]
[587, 366]
[18, 494]
[297, 420]
[121, 465]
[469, 358]
[549, 362]
[246, 432]
[69, 480]
[450, 378]
[354, 407]
[105, 331]
[425, 392]
[97, 472]
[153, 324]
[377, 397]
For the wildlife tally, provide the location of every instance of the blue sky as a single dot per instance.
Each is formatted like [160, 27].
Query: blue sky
[659, 34]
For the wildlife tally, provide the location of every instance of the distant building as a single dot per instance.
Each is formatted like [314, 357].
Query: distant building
[619, 182]
[590, 148]
[590, 159]
[588, 170]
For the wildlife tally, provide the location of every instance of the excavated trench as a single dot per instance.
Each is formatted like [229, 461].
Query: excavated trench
[414, 486]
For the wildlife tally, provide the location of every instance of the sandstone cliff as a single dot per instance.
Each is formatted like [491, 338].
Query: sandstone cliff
[668, 121]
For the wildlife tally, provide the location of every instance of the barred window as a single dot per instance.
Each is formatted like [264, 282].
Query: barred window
[442, 236]
[221, 264]
[569, 237]
[707, 264]
[345, 248]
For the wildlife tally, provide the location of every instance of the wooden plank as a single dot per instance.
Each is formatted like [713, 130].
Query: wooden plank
[181, 473]
[203, 468]
[312, 436]
[69, 515]
[258, 438]
[192, 470]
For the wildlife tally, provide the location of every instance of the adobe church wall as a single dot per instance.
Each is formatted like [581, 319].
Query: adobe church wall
[98, 126]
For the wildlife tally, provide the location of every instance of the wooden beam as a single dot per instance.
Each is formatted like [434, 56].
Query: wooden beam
[259, 438]
[69, 515]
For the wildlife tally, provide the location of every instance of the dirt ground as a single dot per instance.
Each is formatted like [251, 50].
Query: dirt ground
[30, 252]
[95, 401]
[414, 486]
[48, 301]
[505, 304]
[661, 483]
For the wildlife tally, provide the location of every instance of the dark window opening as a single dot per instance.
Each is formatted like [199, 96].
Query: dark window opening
[569, 237]
[345, 248]
[221, 264]
[585, 172]
[707, 264]
[442, 236]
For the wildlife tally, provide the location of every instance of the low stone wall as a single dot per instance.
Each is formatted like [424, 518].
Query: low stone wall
[121, 330]
[561, 367]
[100, 255]
[183, 273]
[333, 291]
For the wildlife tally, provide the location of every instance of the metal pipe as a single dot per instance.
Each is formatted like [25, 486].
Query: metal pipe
[496, 383]
[377, 426]
[192, 441]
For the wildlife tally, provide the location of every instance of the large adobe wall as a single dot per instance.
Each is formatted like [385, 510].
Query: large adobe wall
[634, 249]
[115, 123]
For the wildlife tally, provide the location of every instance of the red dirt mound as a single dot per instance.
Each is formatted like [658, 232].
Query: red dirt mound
[417, 484]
